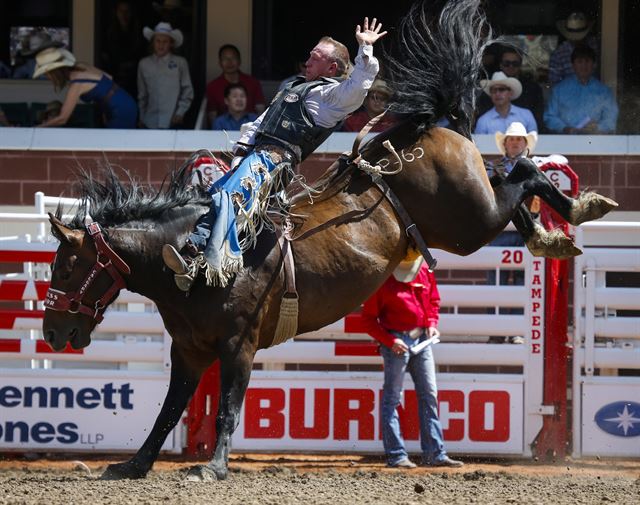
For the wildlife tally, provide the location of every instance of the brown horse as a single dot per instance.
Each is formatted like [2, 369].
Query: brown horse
[351, 241]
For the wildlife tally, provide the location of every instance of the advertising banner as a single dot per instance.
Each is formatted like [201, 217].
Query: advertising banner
[340, 411]
[99, 413]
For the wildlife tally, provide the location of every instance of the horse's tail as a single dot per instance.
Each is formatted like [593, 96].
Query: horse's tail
[435, 62]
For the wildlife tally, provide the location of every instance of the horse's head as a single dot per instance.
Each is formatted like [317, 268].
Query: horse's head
[86, 277]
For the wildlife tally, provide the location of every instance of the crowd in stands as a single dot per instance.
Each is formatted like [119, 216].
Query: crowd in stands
[155, 91]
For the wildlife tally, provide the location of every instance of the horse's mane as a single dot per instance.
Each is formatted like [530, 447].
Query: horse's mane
[434, 64]
[113, 201]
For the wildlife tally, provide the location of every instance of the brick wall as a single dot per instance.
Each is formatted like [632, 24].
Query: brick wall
[22, 173]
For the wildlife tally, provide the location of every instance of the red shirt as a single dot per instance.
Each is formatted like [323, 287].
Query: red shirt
[215, 93]
[356, 121]
[402, 306]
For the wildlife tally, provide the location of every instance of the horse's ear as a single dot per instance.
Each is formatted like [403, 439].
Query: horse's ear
[64, 233]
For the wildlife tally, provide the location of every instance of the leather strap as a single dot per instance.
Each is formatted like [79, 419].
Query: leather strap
[410, 227]
[289, 267]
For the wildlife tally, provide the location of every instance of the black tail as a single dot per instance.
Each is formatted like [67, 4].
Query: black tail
[435, 63]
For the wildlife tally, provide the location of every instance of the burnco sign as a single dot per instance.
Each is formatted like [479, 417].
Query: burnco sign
[341, 412]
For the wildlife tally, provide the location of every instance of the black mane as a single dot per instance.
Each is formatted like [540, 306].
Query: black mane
[434, 64]
[113, 201]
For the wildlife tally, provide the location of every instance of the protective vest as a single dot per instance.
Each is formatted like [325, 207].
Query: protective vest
[288, 123]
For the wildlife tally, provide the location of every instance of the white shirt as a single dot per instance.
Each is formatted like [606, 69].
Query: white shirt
[164, 89]
[330, 103]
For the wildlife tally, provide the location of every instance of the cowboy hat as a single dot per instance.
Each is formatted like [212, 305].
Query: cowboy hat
[52, 58]
[517, 129]
[501, 78]
[380, 86]
[39, 41]
[164, 29]
[575, 27]
[408, 270]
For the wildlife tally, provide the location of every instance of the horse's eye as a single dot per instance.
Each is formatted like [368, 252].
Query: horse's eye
[66, 268]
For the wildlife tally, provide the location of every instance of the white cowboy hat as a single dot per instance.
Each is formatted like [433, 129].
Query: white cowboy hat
[517, 129]
[52, 58]
[501, 78]
[406, 271]
[164, 29]
[575, 27]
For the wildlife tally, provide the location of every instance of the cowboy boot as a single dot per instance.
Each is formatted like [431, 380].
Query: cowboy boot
[185, 266]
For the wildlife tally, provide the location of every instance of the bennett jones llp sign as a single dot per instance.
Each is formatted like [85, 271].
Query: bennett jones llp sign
[78, 413]
[318, 412]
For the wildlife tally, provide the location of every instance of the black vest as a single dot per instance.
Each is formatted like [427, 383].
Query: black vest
[287, 121]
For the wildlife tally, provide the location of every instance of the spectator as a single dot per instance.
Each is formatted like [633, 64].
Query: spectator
[531, 97]
[165, 92]
[122, 46]
[515, 143]
[374, 104]
[38, 41]
[235, 98]
[575, 30]
[503, 90]
[581, 103]
[88, 84]
[401, 314]
[229, 60]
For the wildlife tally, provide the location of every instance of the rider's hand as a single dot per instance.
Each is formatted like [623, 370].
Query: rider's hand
[399, 347]
[432, 331]
[236, 161]
[369, 33]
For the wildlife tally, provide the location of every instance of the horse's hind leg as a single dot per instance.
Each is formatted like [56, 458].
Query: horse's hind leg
[182, 385]
[540, 242]
[235, 372]
[587, 207]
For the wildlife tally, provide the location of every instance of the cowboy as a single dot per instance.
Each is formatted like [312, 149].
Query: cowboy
[298, 120]
[514, 144]
[503, 90]
[575, 30]
[402, 315]
[165, 92]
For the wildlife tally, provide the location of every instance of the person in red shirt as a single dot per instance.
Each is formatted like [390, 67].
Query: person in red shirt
[374, 104]
[403, 313]
[229, 60]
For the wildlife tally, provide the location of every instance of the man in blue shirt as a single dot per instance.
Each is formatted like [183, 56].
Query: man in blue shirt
[581, 103]
[235, 98]
[503, 90]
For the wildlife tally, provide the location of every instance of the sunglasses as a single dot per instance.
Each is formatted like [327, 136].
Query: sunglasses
[499, 89]
[510, 63]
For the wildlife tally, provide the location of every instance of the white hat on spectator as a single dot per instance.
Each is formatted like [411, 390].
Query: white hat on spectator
[408, 269]
[575, 27]
[164, 29]
[52, 58]
[501, 78]
[517, 129]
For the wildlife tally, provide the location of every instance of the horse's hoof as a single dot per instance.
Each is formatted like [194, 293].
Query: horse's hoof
[552, 244]
[590, 206]
[127, 470]
[204, 473]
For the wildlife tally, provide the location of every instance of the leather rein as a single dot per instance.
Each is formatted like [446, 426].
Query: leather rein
[106, 259]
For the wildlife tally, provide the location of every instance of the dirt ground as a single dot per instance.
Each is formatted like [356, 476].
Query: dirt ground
[322, 479]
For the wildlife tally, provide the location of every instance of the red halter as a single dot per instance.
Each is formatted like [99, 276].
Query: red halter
[106, 259]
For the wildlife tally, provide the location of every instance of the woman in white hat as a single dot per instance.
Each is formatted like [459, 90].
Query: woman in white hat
[85, 83]
[403, 313]
[515, 143]
[165, 92]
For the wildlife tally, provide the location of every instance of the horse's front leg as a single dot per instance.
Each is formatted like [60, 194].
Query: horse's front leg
[235, 372]
[183, 383]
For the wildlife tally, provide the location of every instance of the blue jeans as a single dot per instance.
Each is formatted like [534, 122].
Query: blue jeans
[422, 368]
